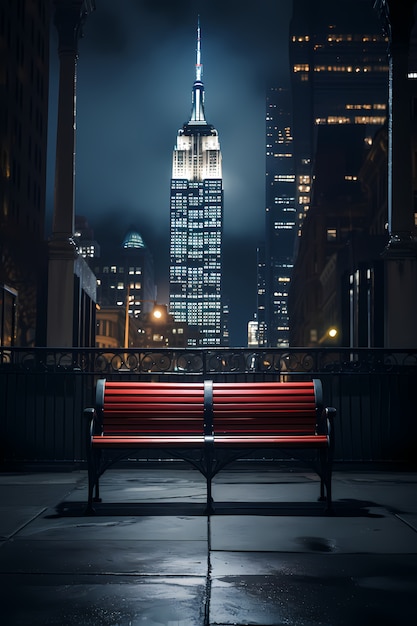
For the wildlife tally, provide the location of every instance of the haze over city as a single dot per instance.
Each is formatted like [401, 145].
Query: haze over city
[136, 68]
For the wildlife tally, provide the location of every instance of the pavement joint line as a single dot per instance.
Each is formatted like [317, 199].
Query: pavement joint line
[32, 519]
[208, 575]
[405, 522]
[144, 575]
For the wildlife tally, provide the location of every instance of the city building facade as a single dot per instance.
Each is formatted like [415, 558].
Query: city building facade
[196, 223]
[339, 76]
[24, 87]
[275, 263]
[125, 275]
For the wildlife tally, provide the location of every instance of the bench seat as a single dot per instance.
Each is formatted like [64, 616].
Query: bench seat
[256, 441]
[142, 441]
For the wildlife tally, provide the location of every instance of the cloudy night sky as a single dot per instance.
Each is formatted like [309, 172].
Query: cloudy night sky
[136, 69]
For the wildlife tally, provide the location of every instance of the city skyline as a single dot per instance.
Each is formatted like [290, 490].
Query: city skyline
[135, 70]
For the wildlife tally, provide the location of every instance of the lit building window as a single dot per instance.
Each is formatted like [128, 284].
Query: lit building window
[301, 67]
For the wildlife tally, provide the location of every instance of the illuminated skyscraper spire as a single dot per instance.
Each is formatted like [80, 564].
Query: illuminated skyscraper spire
[197, 114]
[198, 66]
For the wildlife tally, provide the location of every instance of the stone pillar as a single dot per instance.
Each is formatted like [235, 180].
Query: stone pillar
[400, 256]
[69, 18]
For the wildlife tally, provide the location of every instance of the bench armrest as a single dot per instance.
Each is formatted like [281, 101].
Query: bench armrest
[92, 422]
[330, 414]
[325, 422]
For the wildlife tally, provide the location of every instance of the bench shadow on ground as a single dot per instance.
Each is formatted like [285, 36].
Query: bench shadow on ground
[341, 508]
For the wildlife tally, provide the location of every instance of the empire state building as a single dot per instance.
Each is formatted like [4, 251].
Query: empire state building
[196, 222]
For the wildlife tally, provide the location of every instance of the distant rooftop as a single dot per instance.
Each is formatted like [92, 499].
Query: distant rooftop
[133, 239]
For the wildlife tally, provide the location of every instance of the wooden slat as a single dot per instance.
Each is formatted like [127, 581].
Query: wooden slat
[153, 409]
[306, 441]
[112, 441]
[251, 409]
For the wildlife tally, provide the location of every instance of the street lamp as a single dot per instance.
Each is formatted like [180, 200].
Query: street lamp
[157, 312]
[331, 333]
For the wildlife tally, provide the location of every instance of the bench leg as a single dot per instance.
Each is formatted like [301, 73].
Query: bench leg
[97, 491]
[325, 461]
[93, 481]
[209, 455]
[322, 474]
[329, 507]
[322, 497]
[90, 509]
[210, 502]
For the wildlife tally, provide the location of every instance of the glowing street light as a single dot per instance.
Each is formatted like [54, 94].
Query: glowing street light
[331, 333]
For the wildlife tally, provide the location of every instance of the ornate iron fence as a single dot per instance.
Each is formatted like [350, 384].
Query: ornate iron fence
[43, 392]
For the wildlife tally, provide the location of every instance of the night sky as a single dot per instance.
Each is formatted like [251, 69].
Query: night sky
[136, 69]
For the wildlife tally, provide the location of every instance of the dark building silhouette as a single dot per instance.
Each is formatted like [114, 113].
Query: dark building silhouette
[276, 259]
[339, 76]
[125, 273]
[335, 240]
[24, 81]
[339, 70]
[87, 245]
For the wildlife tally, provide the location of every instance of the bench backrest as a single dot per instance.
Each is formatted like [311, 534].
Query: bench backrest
[150, 408]
[267, 408]
[219, 408]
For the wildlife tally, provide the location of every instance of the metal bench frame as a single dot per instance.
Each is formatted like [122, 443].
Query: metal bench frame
[181, 422]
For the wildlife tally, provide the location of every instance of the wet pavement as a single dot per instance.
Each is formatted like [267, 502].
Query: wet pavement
[151, 556]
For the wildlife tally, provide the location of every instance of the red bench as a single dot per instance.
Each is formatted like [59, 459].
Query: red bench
[208, 424]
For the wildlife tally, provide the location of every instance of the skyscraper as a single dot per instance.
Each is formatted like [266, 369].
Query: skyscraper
[339, 76]
[125, 274]
[196, 222]
[280, 223]
[24, 86]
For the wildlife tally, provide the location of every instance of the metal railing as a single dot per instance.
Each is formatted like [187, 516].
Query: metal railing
[43, 392]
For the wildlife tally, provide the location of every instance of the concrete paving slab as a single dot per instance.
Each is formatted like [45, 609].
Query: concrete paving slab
[401, 567]
[108, 601]
[25, 478]
[304, 534]
[410, 520]
[146, 557]
[143, 485]
[14, 519]
[313, 590]
[308, 600]
[396, 491]
[266, 492]
[34, 494]
[104, 529]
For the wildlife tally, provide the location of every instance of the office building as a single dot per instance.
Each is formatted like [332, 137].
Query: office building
[24, 83]
[196, 221]
[275, 266]
[125, 275]
[87, 246]
[339, 76]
